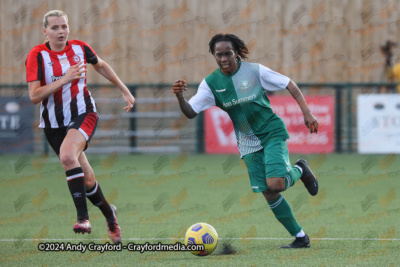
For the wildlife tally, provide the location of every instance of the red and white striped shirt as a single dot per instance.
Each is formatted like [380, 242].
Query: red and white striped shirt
[47, 66]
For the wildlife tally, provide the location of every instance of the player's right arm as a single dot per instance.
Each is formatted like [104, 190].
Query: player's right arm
[201, 101]
[178, 88]
[34, 76]
[37, 92]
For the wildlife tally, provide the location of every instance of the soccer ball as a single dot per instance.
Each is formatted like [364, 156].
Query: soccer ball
[202, 234]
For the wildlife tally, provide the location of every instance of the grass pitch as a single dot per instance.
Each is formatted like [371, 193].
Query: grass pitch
[352, 221]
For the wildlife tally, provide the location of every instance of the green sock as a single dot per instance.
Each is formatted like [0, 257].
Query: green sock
[292, 177]
[284, 214]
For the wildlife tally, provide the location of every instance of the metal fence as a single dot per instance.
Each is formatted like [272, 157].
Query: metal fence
[156, 124]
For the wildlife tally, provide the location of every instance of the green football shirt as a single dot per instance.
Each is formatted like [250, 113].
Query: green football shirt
[242, 96]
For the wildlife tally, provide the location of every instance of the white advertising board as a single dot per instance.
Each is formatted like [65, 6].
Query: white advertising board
[378, 124]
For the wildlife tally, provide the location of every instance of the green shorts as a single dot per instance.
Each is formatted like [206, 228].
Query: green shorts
[272, 161]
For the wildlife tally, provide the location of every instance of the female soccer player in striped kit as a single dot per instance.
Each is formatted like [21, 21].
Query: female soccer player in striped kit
[239, 88]
[56, 76]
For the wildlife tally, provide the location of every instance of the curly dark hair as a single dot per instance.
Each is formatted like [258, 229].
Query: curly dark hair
[238, 45]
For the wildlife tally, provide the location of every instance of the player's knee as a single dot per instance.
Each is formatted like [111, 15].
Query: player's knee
[276, 184]
[68, 160]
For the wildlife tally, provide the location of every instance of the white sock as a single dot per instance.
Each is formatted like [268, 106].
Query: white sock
[298, 167]
[301, 234]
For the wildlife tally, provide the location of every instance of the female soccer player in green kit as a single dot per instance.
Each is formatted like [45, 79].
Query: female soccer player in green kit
[239, 88]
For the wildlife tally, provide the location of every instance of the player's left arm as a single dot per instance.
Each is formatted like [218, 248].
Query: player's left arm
[309, 119]
[107, 72]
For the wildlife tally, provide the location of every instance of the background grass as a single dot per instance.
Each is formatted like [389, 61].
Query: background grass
[159, 197]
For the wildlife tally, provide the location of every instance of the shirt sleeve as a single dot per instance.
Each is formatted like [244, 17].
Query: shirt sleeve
[90, 55]
[203, 99]
[271, 80]
[33, 63]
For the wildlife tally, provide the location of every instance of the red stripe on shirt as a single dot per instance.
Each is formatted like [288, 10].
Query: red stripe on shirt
[89, 124]
[32, 66]
[74, 85]
[58, 101]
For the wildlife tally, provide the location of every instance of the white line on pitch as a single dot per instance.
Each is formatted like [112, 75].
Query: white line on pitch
[237, 238]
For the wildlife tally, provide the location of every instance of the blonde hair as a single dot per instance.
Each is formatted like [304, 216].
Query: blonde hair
[53, 13]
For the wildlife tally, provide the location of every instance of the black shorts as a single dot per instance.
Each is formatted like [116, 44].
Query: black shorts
[86, 123]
